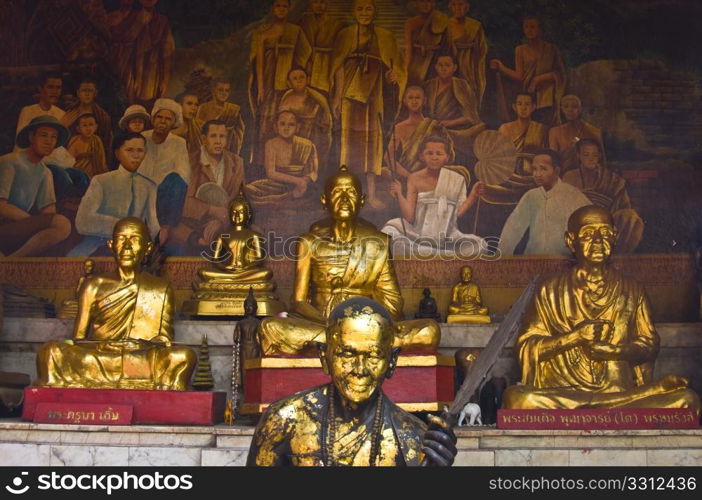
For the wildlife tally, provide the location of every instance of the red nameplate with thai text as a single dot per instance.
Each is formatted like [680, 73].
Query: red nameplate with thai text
[623, 418]
[83, 413]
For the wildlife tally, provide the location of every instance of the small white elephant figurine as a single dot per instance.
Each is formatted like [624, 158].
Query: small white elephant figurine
[471, 414]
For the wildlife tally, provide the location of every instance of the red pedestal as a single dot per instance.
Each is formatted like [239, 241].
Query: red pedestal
[148, 407]
[421, 382]
[622, 418]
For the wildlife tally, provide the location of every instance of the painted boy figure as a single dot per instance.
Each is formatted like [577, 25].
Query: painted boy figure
[436, 199]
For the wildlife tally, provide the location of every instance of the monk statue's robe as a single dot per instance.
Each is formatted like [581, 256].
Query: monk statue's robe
[547, 96]
[470, 50]
[292, 433]
[120, 352]
[366, 95]
[571, 378]
[314, 121]
[408, 153]
[89, 155]
[230, 114]
[280, 55]
[564, 139]
[191, 131]
[320, 32]
[458, 100]
[428, 39]
[608, 190]
[366, 270]
[103, 120]
[303, 161]
[521, 180]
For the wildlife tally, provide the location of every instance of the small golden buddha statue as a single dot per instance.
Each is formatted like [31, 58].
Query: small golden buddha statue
[342, 257]
[350, 421]
[69, 308]
[238, 267]
[588, 340]
[466, 305]
[122, 338]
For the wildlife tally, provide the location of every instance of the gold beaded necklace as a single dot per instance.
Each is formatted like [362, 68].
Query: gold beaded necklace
[329, 431]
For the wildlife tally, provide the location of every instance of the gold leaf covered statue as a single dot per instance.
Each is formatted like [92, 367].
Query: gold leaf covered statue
[69, 308]
[466, 304]
[587, 340]
[122, 338]
[350, 421]
[238, 267]
[341, 257]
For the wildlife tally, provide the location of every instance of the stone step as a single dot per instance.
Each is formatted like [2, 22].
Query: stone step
[28, 444]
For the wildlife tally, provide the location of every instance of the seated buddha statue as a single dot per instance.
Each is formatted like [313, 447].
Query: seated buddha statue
[340, 258]
[466, 305]
[237, 267]
[588, 341]
[122, 338]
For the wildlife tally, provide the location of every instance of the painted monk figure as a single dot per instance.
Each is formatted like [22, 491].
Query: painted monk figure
[87, 148]
[312, 111]
[191, 129]
[366, 61]
[348, 255]
[588, 340]
[404, 154]
[276, 47]
[469, 45]
[291, 165]
[564, 138]
[219, 108]
[453, 103]
[425, 37]
[528, 136]
[348, 423]
[320, 29]
[126, 321]
[539, 69]
[606, 189]
[87, 93]
[142, 49]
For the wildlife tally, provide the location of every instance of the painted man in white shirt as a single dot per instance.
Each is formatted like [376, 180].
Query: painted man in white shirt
[120, 193]
[544, 210]
[167, 163]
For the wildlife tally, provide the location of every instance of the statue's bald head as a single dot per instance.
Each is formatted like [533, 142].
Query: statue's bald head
[342, 175]
[589, 214]
[134, 224]
[343, 195]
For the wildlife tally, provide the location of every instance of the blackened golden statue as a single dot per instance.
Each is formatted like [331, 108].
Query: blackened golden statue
[588, 340]
[122, 338]
[342, 257]
[237, 267]
[350, 422]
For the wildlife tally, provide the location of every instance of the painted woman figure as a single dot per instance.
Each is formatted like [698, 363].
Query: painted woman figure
[276, 47]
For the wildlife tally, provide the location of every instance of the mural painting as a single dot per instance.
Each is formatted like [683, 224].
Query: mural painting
[477, 128]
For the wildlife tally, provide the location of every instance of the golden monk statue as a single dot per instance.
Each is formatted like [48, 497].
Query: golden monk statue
[124, 329]
[238, 268]
[466, 304]
[342, 257]
[588, 340]
[350, 422]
